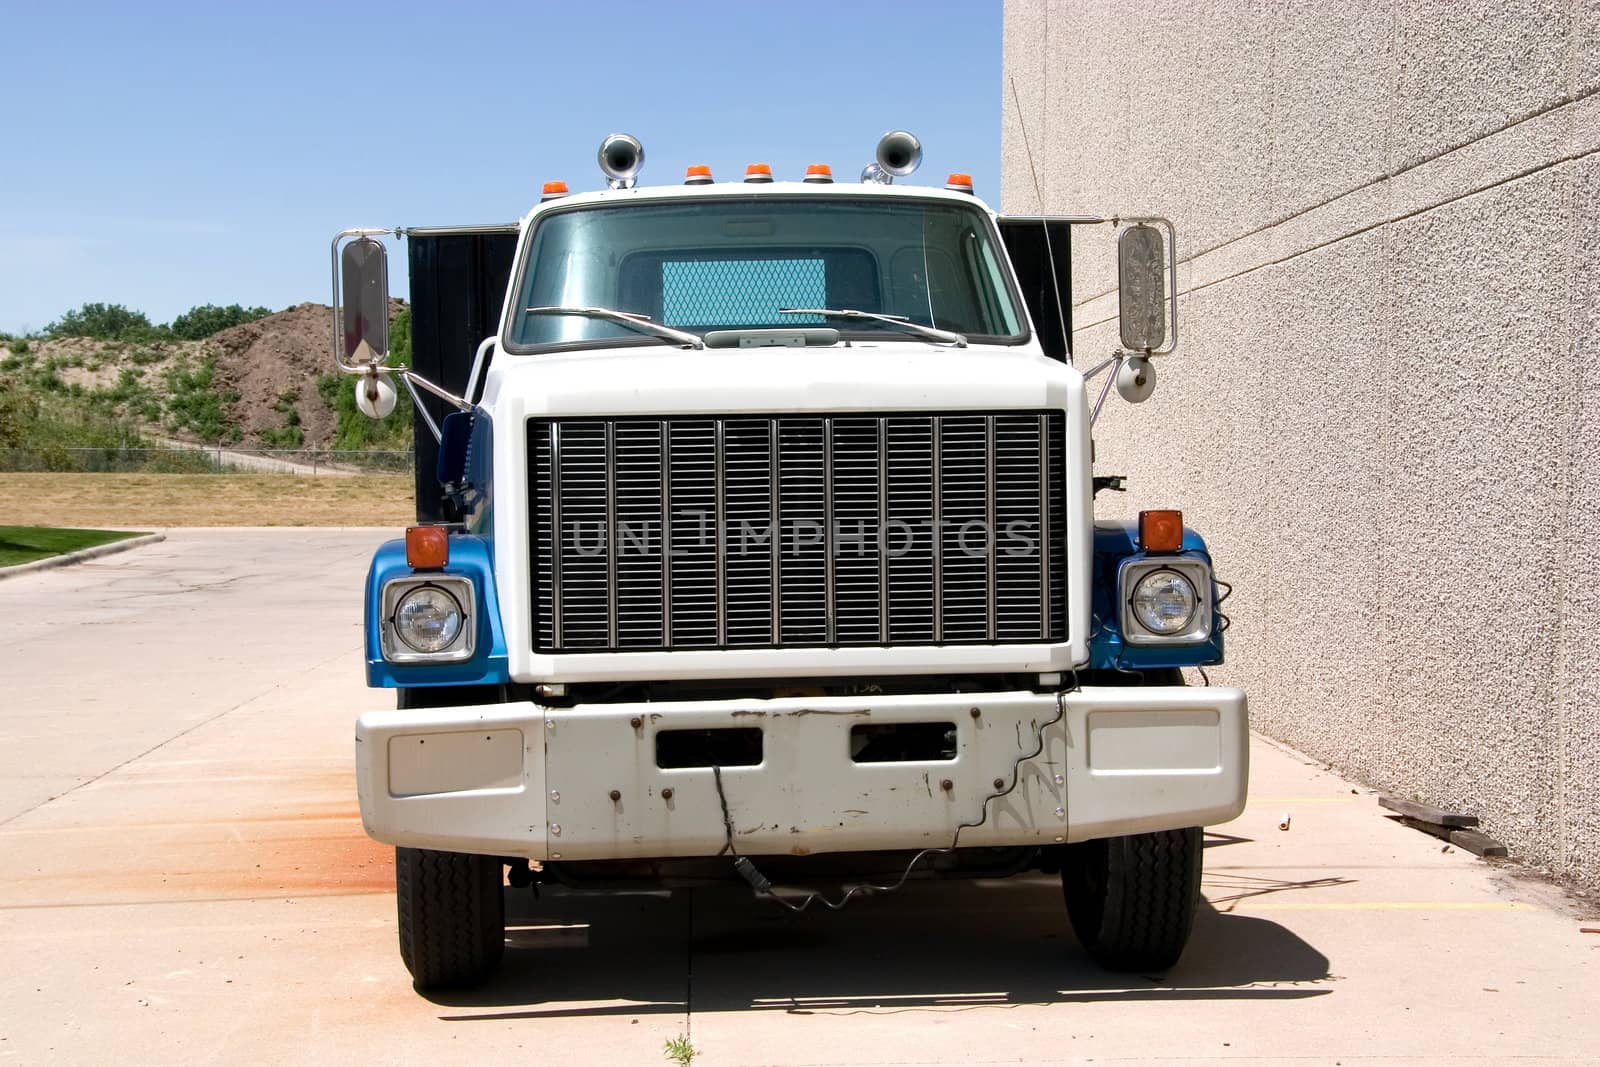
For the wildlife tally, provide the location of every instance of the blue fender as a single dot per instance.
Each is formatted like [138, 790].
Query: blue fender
[1116, 541]
[471, 557]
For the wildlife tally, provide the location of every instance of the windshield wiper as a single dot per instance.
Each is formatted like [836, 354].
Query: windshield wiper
[641, 323]
[932, 333]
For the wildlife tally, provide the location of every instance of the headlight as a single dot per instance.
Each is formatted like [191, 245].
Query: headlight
[1164, 602]
[428, 619]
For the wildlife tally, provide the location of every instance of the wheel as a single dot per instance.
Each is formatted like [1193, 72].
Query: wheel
[450, 905]
[452, 916]
[1132, 899]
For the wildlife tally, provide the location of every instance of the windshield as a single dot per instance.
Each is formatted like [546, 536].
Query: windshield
[734, 263]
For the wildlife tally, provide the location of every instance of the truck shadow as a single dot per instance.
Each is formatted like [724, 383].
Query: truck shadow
[934, 945]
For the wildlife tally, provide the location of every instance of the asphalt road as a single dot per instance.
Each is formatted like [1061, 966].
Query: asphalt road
[183, 878]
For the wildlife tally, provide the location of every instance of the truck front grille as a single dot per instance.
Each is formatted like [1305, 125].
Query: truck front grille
[756, 531]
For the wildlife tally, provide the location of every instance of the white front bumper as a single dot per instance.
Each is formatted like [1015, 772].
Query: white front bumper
[582, 783]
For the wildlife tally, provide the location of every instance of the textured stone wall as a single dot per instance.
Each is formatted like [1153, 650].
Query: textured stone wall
[1385, 410]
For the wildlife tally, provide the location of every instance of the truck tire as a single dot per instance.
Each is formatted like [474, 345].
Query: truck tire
[1132, 899]
[452, 916]
[451, 906]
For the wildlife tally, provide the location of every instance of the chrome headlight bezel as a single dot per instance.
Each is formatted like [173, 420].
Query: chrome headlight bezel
[395, 649]
[1196, 572]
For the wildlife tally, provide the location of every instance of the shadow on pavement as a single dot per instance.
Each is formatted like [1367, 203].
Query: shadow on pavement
[940, 945]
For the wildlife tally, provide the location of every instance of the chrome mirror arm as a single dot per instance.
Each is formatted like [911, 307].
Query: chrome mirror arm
[1115, 363]
[421, 408]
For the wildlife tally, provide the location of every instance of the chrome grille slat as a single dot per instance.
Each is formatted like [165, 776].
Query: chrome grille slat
[761, 531]
[747, 513]
[692, 510]
[857, 557]
[636, 546]
[802, 512]
[909, 510]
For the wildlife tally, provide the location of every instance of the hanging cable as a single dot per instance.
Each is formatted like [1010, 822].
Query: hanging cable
[762, 885]
[1227, 591]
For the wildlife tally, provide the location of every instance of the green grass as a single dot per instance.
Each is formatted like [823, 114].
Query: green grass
[679, 1051]
[24, 544]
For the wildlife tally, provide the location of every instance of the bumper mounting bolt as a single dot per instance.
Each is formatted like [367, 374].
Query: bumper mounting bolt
[947, 785]
[666, 794]
[616, 795]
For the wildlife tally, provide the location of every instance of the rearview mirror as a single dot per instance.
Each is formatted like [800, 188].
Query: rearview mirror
[1141, 277]
[364, 268]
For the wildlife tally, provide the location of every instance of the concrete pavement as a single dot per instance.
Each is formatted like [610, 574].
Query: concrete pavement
[183, 878]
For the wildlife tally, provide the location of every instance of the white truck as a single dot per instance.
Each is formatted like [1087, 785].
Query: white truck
[757, 540]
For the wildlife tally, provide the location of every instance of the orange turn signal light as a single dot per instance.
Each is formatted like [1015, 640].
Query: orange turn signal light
[1161, 531]
[427, 547]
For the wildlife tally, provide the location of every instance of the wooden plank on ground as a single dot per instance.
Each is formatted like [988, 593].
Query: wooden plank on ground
[1476, 843]
[1441, 832]
[1428, 813]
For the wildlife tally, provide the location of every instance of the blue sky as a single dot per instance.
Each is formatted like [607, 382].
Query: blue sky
[166, 155]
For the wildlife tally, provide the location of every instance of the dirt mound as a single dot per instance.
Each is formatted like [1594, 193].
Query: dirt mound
[273, 364]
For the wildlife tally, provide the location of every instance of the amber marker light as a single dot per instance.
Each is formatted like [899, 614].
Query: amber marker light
[427, 547]
[553, 190]
[819, 173]
[698, 174]
[959, 183]
[758, 172]
[1161, 531]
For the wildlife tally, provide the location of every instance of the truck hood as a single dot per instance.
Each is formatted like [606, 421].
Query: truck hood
[657, 379]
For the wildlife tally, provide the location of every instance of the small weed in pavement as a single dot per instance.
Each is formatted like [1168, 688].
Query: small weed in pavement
[679, 1051]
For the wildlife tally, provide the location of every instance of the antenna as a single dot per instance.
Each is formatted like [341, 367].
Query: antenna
[1049, 251]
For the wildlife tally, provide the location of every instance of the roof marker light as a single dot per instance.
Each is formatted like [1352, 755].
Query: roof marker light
[959, 183]
[758, 172]
[819, 173]
[698, 174]
[553, 190]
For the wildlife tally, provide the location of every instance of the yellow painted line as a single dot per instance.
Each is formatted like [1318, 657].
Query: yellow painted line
[1389, 905]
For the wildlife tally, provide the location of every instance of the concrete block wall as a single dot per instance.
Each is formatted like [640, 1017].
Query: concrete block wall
[1385, 411]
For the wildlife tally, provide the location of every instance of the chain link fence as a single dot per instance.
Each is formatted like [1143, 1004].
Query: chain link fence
[316, 462]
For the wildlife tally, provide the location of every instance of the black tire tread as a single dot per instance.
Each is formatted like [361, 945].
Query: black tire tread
[1132, 899]
[451, 916]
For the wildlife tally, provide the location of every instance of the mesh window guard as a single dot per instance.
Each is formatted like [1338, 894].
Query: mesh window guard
[741, 292]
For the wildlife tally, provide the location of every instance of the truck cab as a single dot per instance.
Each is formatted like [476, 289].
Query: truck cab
[757, 540]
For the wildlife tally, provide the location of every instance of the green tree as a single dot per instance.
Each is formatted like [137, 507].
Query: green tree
[400, 339]
[106, 322]
[202, 321]
[18, 410]
[194, 403]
